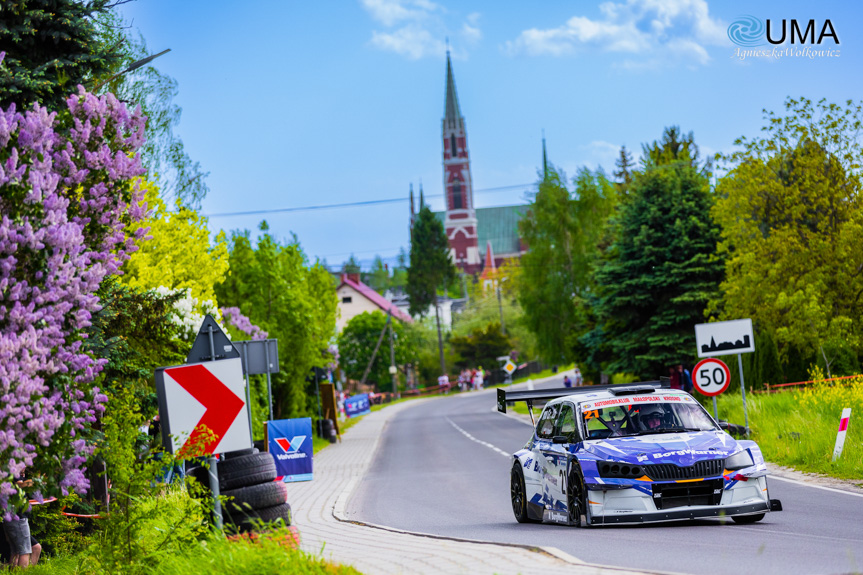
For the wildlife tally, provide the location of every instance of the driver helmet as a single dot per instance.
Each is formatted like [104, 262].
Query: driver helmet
[651, 416]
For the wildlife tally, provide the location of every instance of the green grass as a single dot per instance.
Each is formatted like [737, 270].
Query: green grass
[798, 428]
[214, 555]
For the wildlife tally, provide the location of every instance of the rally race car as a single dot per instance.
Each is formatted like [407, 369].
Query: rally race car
[632, 453]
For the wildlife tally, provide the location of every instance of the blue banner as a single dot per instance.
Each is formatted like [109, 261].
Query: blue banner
[357, 405]
[290, 442]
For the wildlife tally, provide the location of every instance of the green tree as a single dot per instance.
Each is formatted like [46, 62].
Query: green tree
[625, 168]
[168, 164]
[351, 266]
[563, 231]
[481, 347]
[791, 216]
[654, 280]
[51, 46]
[379, 276]
[430, 265]
[357, 342]
[674, 146]
[180, 254]
[276, 287]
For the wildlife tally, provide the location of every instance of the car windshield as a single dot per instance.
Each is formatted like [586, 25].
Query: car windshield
[629, 416]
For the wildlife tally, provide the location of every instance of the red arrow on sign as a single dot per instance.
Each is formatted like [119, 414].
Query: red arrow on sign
[221, 403]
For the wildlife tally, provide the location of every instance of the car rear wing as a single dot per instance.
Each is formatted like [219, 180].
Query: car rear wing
[529, 396]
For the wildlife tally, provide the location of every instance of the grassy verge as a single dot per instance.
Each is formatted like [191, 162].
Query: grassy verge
[798, 428]
[215, 554]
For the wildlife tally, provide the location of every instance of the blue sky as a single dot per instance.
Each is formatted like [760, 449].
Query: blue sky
[290, 104]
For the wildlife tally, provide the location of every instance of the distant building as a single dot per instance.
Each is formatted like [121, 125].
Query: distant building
[355, 298]
[470, 230]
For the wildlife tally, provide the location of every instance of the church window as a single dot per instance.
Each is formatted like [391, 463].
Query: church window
[456, 196]
[454, 152]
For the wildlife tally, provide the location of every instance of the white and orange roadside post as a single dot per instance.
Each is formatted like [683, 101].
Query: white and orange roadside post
[840, 436]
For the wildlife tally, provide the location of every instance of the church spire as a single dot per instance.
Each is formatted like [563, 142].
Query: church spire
[452, 114]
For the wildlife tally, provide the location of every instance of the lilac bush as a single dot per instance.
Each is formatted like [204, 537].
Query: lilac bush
[67, 193]
[237, 320]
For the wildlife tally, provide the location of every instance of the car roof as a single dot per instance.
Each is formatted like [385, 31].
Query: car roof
[582, 397]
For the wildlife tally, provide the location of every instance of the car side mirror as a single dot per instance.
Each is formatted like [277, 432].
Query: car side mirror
[560, 439]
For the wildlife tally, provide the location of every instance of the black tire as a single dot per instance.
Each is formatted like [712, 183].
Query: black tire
[747, 519]
[576, 499]
[201, 474]
[252, 519]
[258, 496]
[239, 453]
[246, 470]
[518, 494]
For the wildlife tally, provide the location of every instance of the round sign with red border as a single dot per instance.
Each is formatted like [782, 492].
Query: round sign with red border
[711, 376]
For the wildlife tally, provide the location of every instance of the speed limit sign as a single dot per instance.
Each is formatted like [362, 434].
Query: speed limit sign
[711, 376]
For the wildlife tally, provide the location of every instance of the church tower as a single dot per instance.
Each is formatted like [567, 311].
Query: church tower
[460, 222]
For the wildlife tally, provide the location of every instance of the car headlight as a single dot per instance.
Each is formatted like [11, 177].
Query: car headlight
[739, 460]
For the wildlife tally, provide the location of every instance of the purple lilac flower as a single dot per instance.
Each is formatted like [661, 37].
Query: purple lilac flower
[237, 320]
[67, 193]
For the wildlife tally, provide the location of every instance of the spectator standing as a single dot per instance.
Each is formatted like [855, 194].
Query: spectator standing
[674, 376]
[443, 382]
[579, 380]
[685, 378]
[24, 550]
[566, 381]
[480, 377]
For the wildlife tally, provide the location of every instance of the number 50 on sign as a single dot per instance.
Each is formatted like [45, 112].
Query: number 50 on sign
[711, 376]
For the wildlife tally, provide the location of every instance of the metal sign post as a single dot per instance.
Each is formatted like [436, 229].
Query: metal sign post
[212, 460]
[743, 391]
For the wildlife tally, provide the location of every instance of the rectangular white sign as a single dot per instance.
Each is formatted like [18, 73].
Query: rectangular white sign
[724, 337]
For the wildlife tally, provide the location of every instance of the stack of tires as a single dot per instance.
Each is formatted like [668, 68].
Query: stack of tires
[247, 480]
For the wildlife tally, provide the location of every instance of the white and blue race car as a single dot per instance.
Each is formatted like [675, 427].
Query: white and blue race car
[632, 453]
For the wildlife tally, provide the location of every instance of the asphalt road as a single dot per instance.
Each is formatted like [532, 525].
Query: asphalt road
[443, 468]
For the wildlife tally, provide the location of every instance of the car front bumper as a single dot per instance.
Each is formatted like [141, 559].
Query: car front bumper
[621, 506]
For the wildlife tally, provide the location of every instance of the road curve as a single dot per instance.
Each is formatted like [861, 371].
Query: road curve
[443, 468]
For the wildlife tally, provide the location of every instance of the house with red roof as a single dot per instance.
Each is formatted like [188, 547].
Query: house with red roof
[355, 298]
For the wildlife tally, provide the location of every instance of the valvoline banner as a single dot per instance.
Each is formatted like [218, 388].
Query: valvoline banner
[357, 405]
[290, 442]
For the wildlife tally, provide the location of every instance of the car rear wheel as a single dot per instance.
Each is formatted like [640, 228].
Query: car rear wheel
[518, 494]
[576, 499]
[745, 519]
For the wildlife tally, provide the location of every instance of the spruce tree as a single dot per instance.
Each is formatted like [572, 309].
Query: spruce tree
[51, 46]
[655, 279]
[624, 165]
[430, 265]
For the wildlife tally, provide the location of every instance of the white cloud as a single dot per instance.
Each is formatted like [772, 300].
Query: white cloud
[392, 12]
[411, 41]
[650, 32]
[417, 28]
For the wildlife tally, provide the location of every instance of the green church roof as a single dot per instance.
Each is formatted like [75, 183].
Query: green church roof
[499, 225]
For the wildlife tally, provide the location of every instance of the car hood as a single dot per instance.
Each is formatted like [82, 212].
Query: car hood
[684, 449]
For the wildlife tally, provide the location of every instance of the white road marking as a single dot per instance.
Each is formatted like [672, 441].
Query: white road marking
[804, 484]
[474, 439]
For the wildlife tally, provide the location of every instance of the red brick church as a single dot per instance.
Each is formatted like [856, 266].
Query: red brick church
[476, 235]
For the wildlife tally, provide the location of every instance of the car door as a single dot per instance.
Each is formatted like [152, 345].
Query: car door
[548, 454]
[557, 454]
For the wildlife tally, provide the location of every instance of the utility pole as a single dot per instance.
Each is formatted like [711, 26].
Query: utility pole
[393, 368]
[500, 309]
[439, 337]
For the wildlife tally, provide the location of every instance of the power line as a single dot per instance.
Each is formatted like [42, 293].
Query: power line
[352, 204]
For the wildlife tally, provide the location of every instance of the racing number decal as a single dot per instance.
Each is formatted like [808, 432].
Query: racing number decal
[591, 414]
